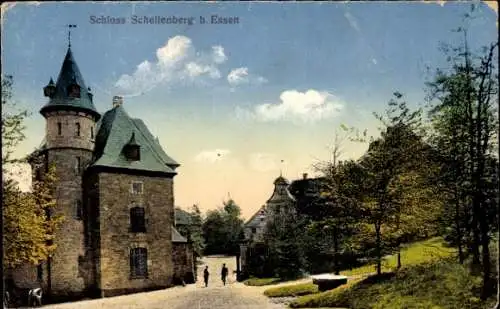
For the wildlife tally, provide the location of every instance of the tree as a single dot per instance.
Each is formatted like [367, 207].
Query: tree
[222, 229]
[28, 229]
[234, 226]
[399, 150]
[465, 123]
[284, 239]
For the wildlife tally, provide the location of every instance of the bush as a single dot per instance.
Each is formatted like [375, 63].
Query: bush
[292, 290]
[261, 281]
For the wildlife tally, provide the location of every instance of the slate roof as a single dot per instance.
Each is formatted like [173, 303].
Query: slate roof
[252, 222]
[177, 237]
[61, 100]
[115, 130]
[299, 187]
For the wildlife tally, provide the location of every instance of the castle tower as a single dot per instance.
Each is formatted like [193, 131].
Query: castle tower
[281, 201]
[69, 143]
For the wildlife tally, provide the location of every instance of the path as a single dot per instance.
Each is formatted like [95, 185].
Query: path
[194, 296]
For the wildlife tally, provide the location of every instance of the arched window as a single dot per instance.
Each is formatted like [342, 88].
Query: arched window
[137, 220]
[138, 263]
[78, 129]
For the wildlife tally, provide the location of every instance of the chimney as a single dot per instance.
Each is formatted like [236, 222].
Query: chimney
[117, 101]
[304, 176]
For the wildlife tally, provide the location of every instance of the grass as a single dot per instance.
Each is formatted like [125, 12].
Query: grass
[261, 281]
[416, 253]
[292, 290]
[322, 299]
[436, 284]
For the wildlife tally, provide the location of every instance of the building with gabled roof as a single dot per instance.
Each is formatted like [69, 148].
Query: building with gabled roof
[115, 191]
[279, 204]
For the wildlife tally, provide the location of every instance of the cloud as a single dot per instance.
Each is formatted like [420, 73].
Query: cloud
[241, 76]
[218, 54]
[212, 156]
[177, 60]
[309, 106]
[264, 162]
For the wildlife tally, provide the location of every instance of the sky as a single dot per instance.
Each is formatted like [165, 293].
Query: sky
[236, 104]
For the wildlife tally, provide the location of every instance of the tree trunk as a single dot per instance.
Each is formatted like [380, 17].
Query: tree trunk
[378, 248]
[458, 228]
[335, 253]
[399, 258]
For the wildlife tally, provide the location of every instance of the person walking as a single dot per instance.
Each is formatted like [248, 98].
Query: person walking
[223, 273]
[205, 276]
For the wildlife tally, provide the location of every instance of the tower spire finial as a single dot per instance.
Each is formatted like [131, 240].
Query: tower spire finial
[281, 168]
[69, 34]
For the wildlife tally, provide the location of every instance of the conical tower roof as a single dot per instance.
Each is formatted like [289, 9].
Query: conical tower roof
[70, 73]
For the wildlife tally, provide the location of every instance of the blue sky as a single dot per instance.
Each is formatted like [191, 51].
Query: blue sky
[273, 87]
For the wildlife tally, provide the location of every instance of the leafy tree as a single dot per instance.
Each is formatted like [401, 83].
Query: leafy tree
[465, 125]
[284, 239]
[222, 229]
[399, 150]
[234, 226]
[28, 229]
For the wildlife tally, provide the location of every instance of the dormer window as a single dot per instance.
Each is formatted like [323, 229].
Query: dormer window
[132, 149]
[73, 89]
[91, 96]
[50, 89]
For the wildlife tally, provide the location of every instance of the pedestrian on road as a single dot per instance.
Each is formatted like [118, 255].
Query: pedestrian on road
[223, 273]
[205, 275]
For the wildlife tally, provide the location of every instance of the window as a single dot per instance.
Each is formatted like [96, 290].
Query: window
[132, 153]
[74, 91]
[78, 129]
[92, 132]
[138, 263]
[137, 220]
[59, 128]
[81, 266]
[78, 165]
[39, 272]
[78, 210]
[137, 187]
[254, 230]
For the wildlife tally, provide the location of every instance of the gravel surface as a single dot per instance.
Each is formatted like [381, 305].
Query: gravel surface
[234, 295]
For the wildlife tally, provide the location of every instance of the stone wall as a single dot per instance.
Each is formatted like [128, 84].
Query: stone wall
[183, 260]
[66, 275]
[116, 241]
[68, 136]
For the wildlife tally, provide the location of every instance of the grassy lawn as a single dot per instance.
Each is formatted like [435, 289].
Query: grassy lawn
[261, 281]
[438, 284]
[292, 290]
[416, 253]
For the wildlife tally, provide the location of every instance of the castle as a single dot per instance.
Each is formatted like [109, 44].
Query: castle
[115, 191]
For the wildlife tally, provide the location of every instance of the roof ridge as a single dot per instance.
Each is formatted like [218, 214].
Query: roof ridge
[263, 207]
[149, 137]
